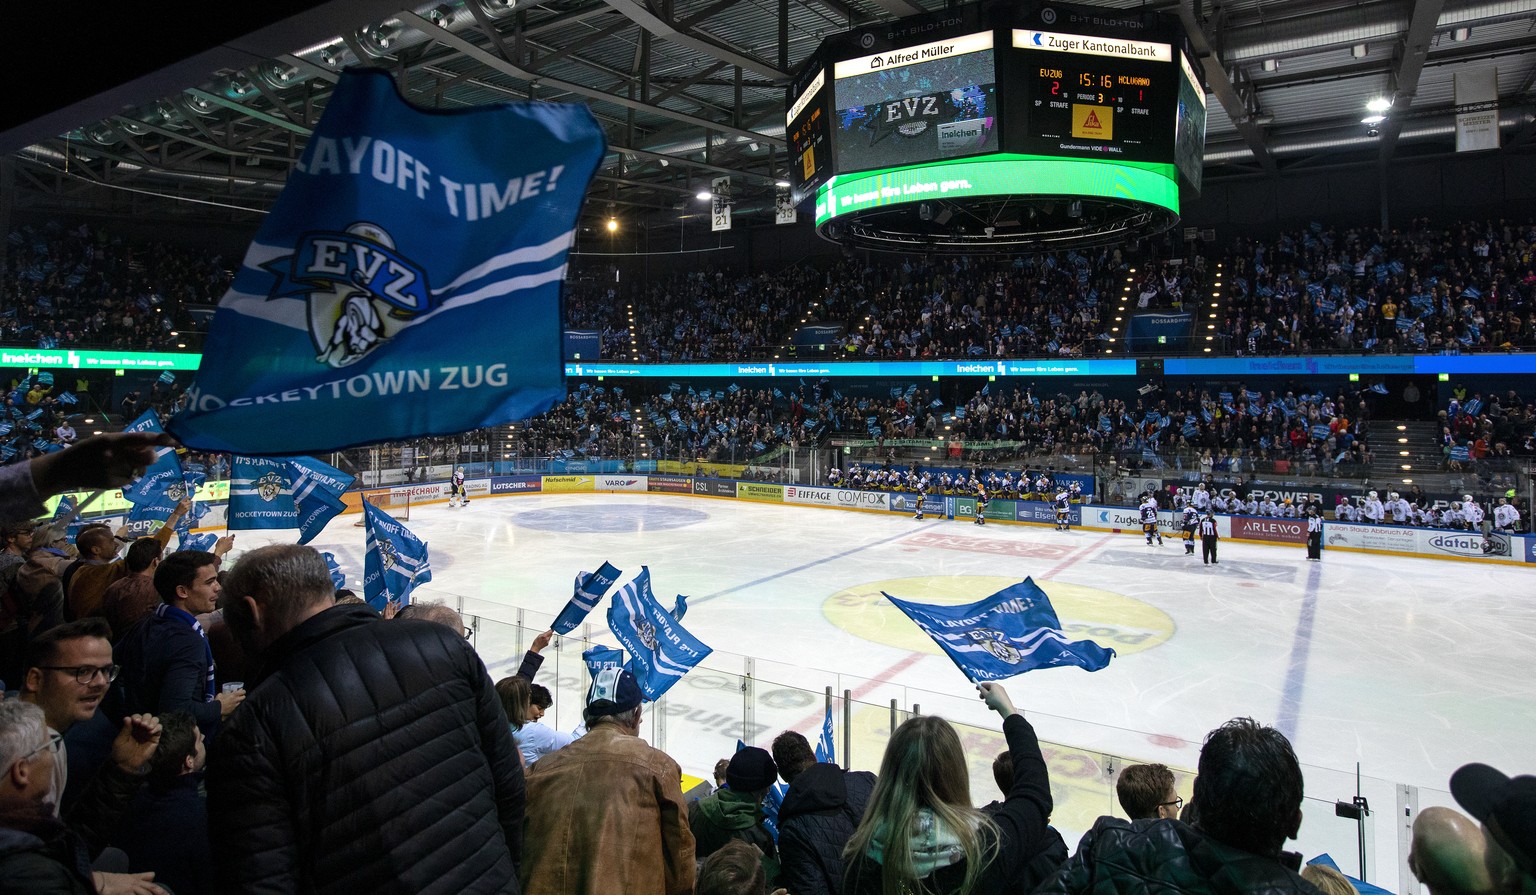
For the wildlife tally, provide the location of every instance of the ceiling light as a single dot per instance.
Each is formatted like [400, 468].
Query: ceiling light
[1461, 34]
[613, 224]
[782, 184]
[1379, 104]
[1358, 51]
[703, 196]
[1271, 64]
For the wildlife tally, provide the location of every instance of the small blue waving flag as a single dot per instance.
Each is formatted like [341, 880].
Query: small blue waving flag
[163, 484]
[317, 490]
[661, 649]
[589, 590]
[396, 561]
[338, 577]
[825, 751]
[1013, 631]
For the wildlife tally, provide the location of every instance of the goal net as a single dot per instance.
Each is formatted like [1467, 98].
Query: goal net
[396, 505]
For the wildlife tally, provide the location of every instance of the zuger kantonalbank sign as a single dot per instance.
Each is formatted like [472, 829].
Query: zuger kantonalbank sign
[837, 497]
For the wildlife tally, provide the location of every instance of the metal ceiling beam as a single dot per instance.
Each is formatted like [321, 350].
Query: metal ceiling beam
[899, 8]
[506, 67]
[1411, 54]
[249, 112]
[640, 14]
[1239, 98]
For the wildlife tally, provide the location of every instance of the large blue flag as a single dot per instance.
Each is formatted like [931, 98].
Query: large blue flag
[407, 281]
[261, 494]
[590, 589]
[662, 650]
[163, 484]
[317, 490]
[396, 561]
[1013, 631]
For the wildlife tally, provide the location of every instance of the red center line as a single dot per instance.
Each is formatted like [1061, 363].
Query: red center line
[814, 721]
[1081, 554]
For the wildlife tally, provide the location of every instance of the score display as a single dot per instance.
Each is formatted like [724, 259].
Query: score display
[1091, 97]
[808, 136]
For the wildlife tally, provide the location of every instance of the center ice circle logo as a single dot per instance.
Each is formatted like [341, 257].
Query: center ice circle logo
[1087, 613]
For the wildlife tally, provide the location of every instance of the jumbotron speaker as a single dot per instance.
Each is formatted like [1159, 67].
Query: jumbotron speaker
[1004, 126]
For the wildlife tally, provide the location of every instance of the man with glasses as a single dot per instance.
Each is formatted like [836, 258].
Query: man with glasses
[38, 853]
[1146, 790]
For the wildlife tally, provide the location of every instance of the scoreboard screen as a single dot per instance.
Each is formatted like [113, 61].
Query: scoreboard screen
[1094, 97]
[808, 135]
[922, 103]
[1189, 141]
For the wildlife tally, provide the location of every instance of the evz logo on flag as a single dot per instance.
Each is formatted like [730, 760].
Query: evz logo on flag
[647, 633]
[387, 554]
[269, 486]
[994, 642]
[360, 290]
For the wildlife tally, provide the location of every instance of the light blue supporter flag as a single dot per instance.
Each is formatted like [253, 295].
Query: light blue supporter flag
[163, 484]
[599, 657]
[338, 577]
[204, 542]
[317, 490]
[589, 590]
[661, 649]
[1013, 631]
[261, 494]
[825, 750]
[396, 561]
[406, 283]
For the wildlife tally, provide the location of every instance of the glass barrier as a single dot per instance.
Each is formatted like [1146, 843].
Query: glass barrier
[1363, 822]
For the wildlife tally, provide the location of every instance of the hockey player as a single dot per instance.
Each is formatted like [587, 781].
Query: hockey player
[1268, 507]
[1288, 509]
[1477, 520]
[1201, 499]
[457, 496]
[1347, 512]
[981, 504]
[922, 493]
[834, 478]
[1372, 511]
[1217, 504]
[1149, 519]
[1397, 508]
[1063, 510]
[1505, 517]
[1191, 521]
[1180, 499]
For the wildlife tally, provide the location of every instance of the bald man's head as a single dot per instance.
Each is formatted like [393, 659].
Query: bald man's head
[1448, 853]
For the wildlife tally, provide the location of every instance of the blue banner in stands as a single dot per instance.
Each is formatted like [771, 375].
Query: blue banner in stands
[407, 281]
[661, 649]
[396, 562]
[317, 490]
[826, 750]
[589, 590]
[163, 485]
[1013, 631]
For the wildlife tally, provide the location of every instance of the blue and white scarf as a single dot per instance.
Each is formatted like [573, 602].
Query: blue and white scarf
[165, 610]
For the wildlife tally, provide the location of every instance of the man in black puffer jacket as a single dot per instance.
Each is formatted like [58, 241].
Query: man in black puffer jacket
[369, 756]
[823, 806]
[1247, 804]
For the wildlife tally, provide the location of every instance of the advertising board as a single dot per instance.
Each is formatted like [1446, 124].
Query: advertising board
[515, 484]
[568, 483]
[1259, 528]
[674, 484]
[714, 487]
[619, 483]
[843, 498]
[759, 491]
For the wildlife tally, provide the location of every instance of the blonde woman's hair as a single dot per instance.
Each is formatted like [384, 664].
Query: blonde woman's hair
[923, 767]
[515, 699]
[1330, 881]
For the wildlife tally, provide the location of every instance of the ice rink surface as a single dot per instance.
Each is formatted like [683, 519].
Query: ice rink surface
[1408, 667]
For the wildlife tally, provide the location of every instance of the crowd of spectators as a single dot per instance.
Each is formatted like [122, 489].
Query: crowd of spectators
[82, 287]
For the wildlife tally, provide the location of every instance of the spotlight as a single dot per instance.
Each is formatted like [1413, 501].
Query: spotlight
[1379, 104]
[703, 195]
[613, 224]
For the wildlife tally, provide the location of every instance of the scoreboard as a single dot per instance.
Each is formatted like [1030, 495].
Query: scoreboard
[1000, 98]
[1096, 98]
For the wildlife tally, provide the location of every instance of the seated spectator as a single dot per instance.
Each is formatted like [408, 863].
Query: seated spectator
[736, 812]
[920, 831]
[1146, 790]
[166, 661]
[1506, 807]
[1448, 854]
[165, 828]
[1247, 803]
[822, 808]
[606, 813]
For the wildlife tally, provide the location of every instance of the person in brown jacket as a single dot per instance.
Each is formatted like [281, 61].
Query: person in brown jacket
[86, 579]
[606, 813]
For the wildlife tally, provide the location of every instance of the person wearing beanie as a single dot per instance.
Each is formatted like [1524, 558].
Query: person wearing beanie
[606, 813]
[736, 812]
